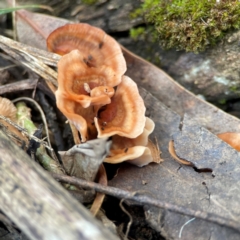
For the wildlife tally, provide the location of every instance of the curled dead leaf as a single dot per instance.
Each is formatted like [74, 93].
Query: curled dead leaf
[233, 139]
[84, 160]
[174, 155]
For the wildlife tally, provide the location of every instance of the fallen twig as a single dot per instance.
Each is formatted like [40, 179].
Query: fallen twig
[18, 86]
[24, 131]
[46, 57]
[15, 51]
[146, 200]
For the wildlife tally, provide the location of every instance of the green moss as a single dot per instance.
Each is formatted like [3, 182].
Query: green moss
[135, 33]
[233, 88]
[222, 101]
[190, 24]
[89, 2]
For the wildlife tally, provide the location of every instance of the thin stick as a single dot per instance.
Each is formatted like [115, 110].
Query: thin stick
[130, 219]
[41, 114]
[53, 155]
[146, 200]
[46, 57]
[24, 131]
[186, 223]
[10, 47]
[18, 86]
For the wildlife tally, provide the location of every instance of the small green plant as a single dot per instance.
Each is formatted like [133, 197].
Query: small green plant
[13, 9]
[135, 33]
[191, 25]
[89, 2]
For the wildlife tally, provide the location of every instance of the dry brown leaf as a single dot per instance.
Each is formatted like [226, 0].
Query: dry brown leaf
[102, 179]
[84, 160]
[174, 155]
[233, 139]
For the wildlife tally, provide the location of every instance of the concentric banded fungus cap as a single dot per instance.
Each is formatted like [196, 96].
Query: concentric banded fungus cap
[96, 47]
[125, 115]
[83, 84]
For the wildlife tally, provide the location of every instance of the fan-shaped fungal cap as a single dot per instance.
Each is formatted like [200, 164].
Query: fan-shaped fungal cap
[130, 154]
[7, 109]
[138, 155]
[77, 81]
[139, 151]
[96, 47]
[125, 115]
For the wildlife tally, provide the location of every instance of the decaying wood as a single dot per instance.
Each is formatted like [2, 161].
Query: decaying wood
[17, 52]
[39, 206]
[47, 57]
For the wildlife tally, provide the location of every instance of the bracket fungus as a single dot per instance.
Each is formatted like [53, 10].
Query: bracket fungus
[97, 98]
[83, 84]
[139, 151]
[96, 47]
[125, 115]
[8, 110]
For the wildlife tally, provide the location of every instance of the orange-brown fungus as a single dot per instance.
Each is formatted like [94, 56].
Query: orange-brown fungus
[74, 77]
[139, 151]
[92, 65]
[141, 140]
[91, 68]
[172, 152]
[8, 110]
[138, 155]
[68, 108]
[125, 115]
[96, 47]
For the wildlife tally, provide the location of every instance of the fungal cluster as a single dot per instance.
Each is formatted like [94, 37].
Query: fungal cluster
[95, 95]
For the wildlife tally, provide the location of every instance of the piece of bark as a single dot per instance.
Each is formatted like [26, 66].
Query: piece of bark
[37, 204]
[212, 74]
[13, 49]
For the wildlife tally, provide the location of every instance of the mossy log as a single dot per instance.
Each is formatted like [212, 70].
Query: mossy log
[37, 204]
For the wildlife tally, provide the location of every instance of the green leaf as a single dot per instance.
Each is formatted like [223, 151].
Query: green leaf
[12, 9]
